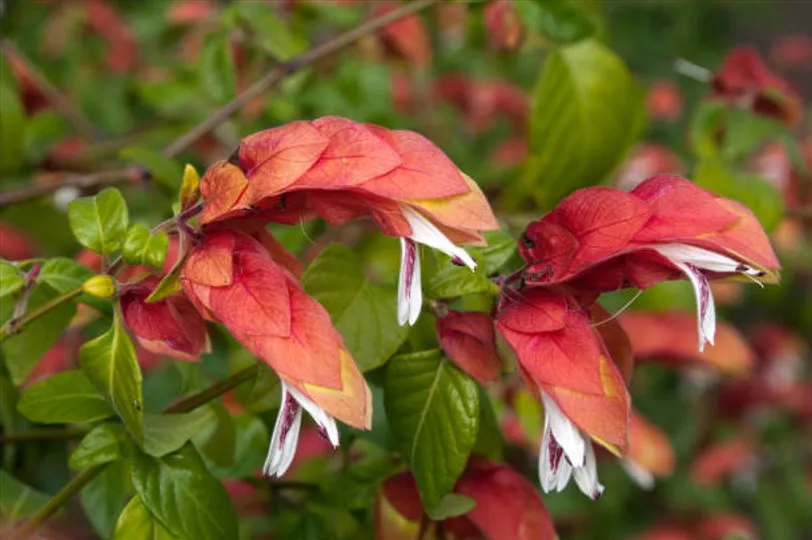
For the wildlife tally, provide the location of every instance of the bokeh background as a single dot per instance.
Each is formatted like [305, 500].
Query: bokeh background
[727, 434]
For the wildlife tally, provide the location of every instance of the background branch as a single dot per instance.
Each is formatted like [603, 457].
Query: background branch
[221, 115]
[59, 102]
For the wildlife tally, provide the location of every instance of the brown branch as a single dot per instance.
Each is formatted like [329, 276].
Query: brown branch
[221, 115]
[288, 68]
[83, 181]
[59, 102]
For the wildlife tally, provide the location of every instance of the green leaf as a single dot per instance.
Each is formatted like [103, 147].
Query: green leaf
[453, 505]
[103, 499]
[745, 132]
[489, 442]
[11, 279]
[165, 433]
[558, 20]
[222, 441]
[433, 409]
[501, 247]
[67, 397]
[705, 127]
[141, 247]
[43, 131]
[364, 312]
[22, 351]
[110, 363]
[136, 523]
[265, 393]
[17, 500]
[64, 274]
[587, 111]
[12, 126]
[169, 285]
[103, 444]
[181, 493]
[754, 192]
[217, 77]
[273, 34]
[100, 222]
[447, 280]
[166, 171]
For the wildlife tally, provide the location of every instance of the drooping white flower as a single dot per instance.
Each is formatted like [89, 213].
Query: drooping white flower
[566, 452]
[286, 430]
[410, 295]
[638, 474]
[692, 261]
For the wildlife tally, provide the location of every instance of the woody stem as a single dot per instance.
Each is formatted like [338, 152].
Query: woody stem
[16, 325]
[82, 479]
[261, 86]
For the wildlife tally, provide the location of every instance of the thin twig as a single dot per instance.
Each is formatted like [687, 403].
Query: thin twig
[59, 102]
[78, 181]
[288, 68]
[258, 88]
[16, 325]
[81, 480]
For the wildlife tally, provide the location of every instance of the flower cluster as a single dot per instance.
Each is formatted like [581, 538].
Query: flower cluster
[604, 239]
[238, 275]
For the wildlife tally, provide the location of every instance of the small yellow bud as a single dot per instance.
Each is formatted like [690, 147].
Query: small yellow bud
[189, 188]
[100, 286]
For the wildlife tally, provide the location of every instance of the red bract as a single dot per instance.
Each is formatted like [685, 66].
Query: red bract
[171, 326]
[481, 101]
[602, 239]
[565, 360]
[722, 460]
[650, 453]
[669, 337]
[745, 81]
[507, 506]
[664, 100]
[406, 37]
[340, 170]
[468, 339]
[646, 161]
[233, 279]
[14, 243]
[123, 47]
[503, 25]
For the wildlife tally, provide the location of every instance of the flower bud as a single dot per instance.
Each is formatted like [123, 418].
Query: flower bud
[101, 286]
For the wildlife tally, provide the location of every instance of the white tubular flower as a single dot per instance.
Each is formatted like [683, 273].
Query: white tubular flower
[565, 452]
[286, 430]
[692, 261]
[410, 295]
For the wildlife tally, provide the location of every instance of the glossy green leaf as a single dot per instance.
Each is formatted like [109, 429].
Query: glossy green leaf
[102, 444]
[64, 274]
[453, 505]
[444, 279]
[18, 500]
[183, 495]
[23, 350]
[501, 247]
[756, 193]
[165, 433]
[169, 285]
[221, 446]
[363, 311]
[217, 78]
[164, 170]
[104, 498]
[433, 409]
[110, 363]
[141, 247]
[274, 35]
[489, 441]
[12, 125]
[67, 397]
[11, 279]
[561, 21]
[587, 111]
[136, 523]
[100, 222]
